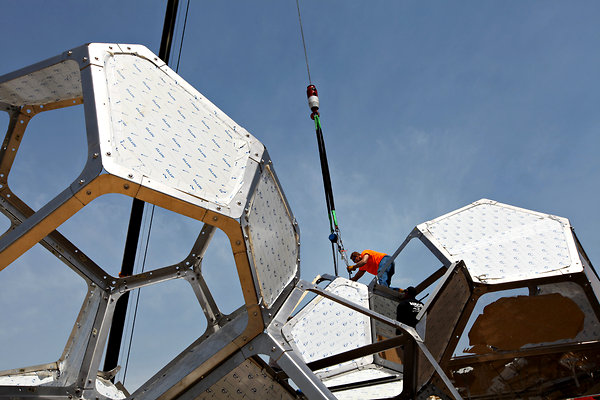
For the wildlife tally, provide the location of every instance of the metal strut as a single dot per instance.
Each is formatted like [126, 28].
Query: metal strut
[335, 235]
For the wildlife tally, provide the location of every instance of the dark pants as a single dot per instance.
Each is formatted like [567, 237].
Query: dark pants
[385, 277]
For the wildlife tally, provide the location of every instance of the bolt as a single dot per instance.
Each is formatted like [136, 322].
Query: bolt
[130, 176]
[85, 59]
[126, 186]
[239, 203]
[273, 348]
[69, 53]
[218, 208]
[88, 192]
[95, 155]
[108, 153]
[82, 181]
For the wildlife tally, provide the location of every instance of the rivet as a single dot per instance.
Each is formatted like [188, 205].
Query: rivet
[81, 181]
[88, 192]
[95, 155]
[218, 208]
[69, 53]
[96, 58]
[215, 218]
[85, 59]
[238, 242]
[126, 186]
[108, 153]
[273, 348]
[130, 175]
[239, 203]
[256, 154]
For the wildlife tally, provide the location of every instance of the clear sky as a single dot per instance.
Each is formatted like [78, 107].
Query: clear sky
[426, 107]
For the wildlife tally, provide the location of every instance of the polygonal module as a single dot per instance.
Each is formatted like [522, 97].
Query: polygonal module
[501, 243]
[324, 327]
[153, 137]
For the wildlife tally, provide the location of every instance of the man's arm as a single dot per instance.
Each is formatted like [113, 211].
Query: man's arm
[359, 264]
[358, 275]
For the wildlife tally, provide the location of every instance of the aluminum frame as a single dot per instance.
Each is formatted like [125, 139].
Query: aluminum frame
[75, 372]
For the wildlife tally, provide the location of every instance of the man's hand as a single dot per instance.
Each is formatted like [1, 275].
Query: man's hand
[351, 268]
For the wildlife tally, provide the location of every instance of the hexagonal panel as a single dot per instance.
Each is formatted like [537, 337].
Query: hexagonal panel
[501, 243]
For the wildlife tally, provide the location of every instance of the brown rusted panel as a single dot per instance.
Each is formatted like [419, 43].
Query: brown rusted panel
[512, 322]
[442, 317]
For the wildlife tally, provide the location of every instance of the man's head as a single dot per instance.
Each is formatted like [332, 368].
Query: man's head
[411, 292]
[355, 257]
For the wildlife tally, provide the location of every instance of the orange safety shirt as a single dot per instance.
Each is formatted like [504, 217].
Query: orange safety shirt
[373, 261]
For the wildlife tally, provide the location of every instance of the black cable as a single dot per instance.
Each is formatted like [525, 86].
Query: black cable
[187, 8]
[325, 171]
[153, 206]
[137, 300]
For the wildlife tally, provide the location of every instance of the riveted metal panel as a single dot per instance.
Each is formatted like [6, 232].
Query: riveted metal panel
[387, 307]
[501, 243]
[247, 381]
[273, 239]
[53, 83]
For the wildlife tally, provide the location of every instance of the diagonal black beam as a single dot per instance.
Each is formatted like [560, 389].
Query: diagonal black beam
[135, 220]
[358, 352]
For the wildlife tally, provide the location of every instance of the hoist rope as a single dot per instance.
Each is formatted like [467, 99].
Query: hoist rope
[313, 103]
[137, 300]
[187, 8]
[303, 42]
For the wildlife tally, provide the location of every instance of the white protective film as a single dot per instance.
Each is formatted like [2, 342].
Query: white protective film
[166, 133]
[324, 327]
[501, 243]
[57, 82]
[247, 381]
[273, 240]
[384, 390]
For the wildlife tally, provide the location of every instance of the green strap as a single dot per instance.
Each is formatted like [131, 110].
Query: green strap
[317, 122]
[334, 218]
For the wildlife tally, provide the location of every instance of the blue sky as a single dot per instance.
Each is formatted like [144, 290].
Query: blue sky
[426, 107]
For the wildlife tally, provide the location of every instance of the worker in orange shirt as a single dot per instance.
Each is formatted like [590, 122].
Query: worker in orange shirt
[372, 262]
